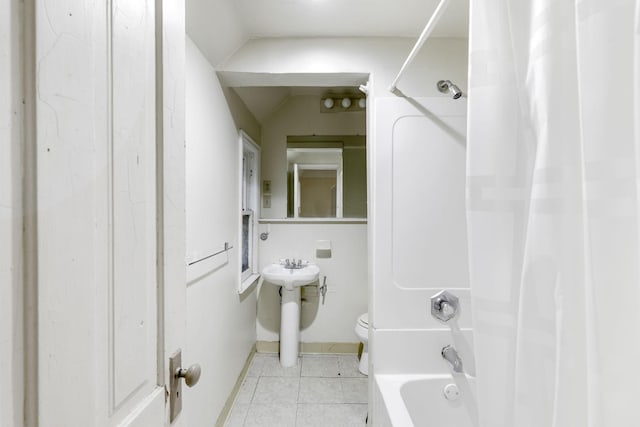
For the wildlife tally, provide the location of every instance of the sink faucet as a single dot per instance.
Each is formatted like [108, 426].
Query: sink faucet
[451, 355]
[292, 264]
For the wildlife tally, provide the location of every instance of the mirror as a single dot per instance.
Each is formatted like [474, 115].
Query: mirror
[326, 177]
[297, 117]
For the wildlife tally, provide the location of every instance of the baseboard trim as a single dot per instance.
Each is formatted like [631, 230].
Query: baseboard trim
[312, 347]
[226, 409]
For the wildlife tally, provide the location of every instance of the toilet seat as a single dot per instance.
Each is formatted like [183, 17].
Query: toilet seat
[363, 320]
[362, 331]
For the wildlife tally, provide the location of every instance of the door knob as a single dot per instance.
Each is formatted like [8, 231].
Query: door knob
[191, 375]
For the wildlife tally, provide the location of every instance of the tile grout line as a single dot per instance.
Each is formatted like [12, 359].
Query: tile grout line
[299, 386]
[324, 374]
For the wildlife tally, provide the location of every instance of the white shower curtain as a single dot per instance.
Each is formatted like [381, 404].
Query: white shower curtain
[553, 211]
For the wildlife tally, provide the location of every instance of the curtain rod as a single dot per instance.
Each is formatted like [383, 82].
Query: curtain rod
[437, 14]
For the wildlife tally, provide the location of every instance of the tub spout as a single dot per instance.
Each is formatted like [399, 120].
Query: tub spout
[451, 355]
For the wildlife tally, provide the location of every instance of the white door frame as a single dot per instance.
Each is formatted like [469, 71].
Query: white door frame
[12, 343]
[297, 167]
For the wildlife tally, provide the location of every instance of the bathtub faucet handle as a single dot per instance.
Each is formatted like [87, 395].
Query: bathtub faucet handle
[447, 309]
[444, 306]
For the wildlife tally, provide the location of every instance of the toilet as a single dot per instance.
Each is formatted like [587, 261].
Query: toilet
[362, 331]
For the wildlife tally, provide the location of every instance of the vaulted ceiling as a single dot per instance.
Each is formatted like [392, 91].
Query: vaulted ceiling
[219, 27]
[321, 18]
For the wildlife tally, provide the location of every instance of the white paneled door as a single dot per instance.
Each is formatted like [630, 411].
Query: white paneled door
[110, 298]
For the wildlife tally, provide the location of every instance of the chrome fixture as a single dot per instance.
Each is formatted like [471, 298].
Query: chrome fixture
[293, 264]
[323, 289]
[445, 86]
[266, 188]
[227, 247]
[444, 306]
[451, 392]
[433, 21]
[451, 355]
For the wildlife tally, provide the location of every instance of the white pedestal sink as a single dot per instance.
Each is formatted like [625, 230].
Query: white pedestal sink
[291, 279]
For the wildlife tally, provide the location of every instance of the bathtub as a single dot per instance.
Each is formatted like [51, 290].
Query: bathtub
[419, 401]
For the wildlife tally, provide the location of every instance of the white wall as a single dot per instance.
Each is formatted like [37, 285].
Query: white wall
[439, 58]
[242, 116]
[346, 273]
[10, 215]
[202, 15]
[220, 323]
[420, 228]
[346, 270]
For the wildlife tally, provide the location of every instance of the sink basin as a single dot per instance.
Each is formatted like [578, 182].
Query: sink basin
[290, 278]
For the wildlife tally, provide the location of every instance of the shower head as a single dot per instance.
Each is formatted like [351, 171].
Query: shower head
[445, 86]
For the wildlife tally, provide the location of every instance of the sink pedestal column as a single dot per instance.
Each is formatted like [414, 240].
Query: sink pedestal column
[289, 327]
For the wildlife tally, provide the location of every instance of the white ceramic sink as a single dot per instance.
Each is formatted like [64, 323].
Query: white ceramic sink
[290, 278]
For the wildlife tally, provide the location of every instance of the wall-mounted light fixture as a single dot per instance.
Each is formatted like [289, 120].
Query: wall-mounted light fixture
[328, 103]
[338, 103]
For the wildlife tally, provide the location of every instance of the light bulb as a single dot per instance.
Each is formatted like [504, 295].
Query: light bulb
[362, 102]
[346, 102]
[328, 103]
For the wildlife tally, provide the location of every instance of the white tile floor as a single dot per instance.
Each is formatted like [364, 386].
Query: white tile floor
[322, 391]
